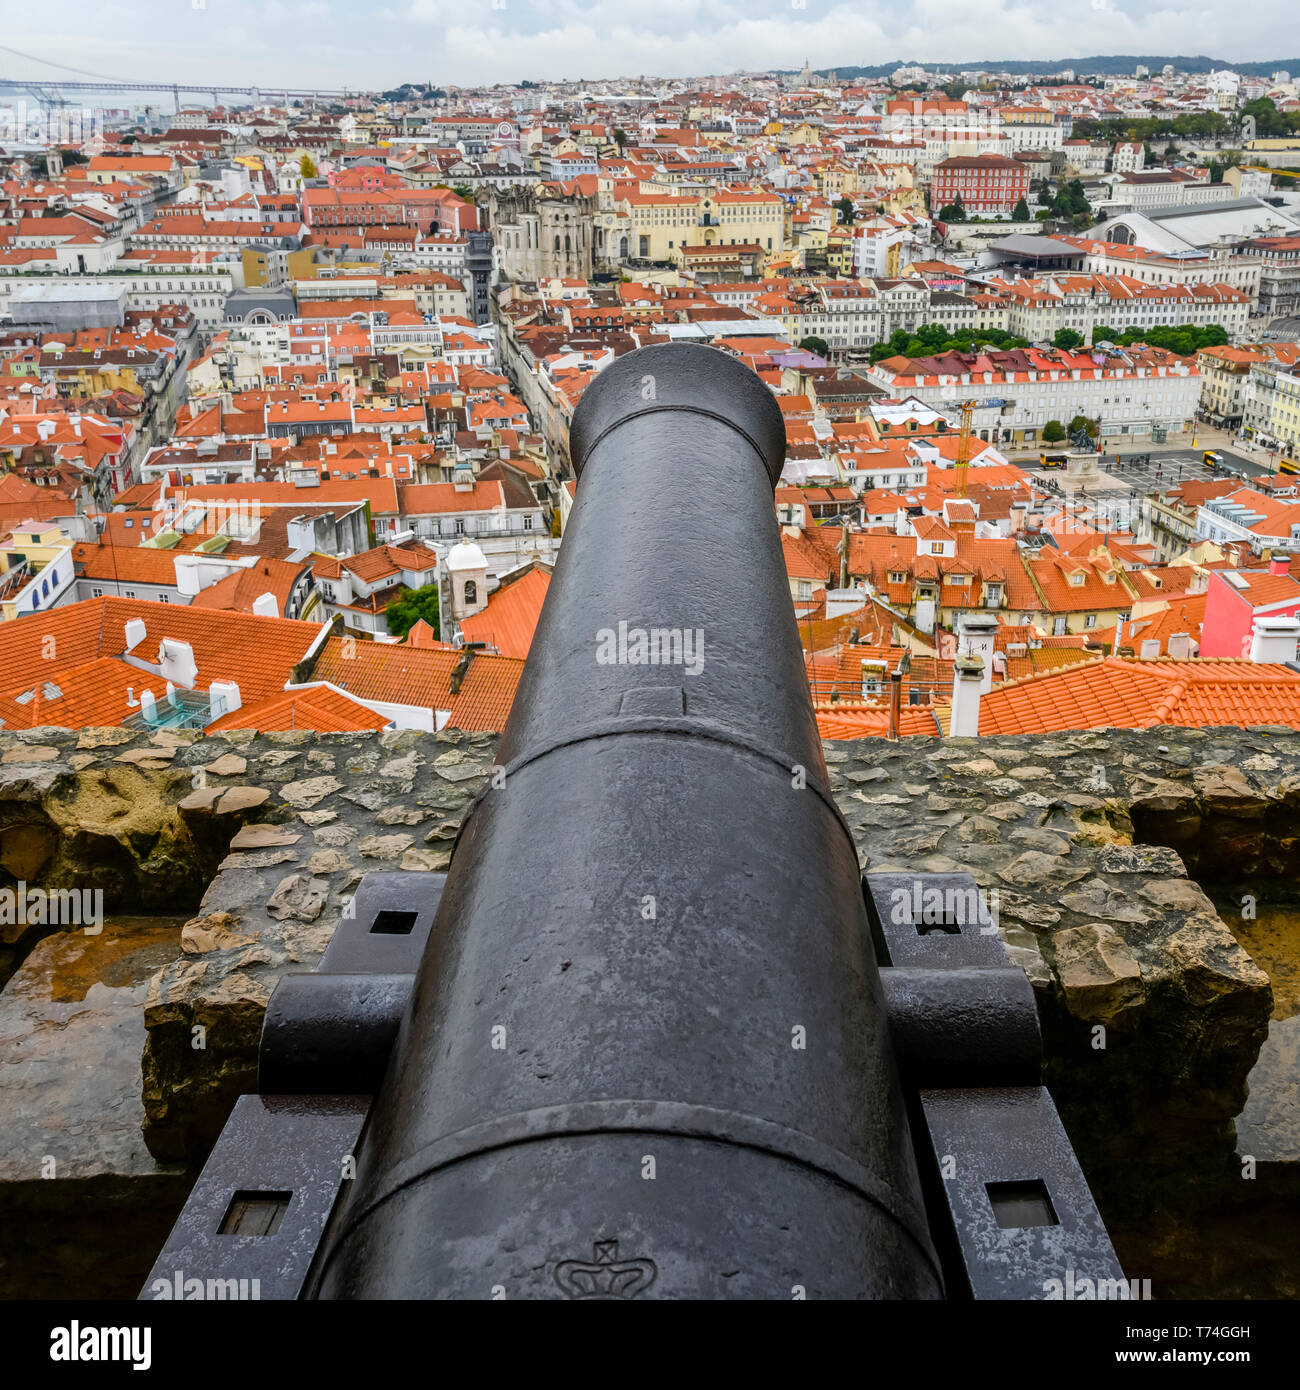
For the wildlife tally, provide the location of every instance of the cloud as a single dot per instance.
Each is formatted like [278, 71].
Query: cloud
[329, 44]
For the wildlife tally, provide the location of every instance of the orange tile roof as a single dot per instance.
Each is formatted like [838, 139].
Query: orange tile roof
[1114, 693]
[92, 680]
[510, 618]
[421, 676]
[238, 592]
[872, 721]
[809, 556]
[1123, 693]
[130, 563]
[307, 707]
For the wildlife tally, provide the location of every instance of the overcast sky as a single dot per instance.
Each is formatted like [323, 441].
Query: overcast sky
[378, 43]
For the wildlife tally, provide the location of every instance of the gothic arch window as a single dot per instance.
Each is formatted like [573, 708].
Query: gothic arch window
[1120, 236]
[557, 243]
[567, 247]
[471, 591]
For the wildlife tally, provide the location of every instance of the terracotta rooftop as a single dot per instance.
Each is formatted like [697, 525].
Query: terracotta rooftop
[510, 618]
[421, 676]
[316, 707]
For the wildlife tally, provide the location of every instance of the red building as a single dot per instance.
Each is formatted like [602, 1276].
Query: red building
[985, 182]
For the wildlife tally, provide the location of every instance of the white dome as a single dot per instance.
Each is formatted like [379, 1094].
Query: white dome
[465, 555]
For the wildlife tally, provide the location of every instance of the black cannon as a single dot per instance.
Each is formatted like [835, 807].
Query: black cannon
[657, 1040]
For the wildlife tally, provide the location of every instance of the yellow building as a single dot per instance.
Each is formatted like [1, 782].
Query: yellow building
[660, 224]
[36, 569]
[257, 265]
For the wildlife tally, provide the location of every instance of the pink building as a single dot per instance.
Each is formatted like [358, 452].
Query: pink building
[1236, 598]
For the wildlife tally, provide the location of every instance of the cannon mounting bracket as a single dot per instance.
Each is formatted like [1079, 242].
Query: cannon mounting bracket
[1008, 1204]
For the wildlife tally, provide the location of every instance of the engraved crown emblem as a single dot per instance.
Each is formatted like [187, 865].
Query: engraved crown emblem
[605, 1276]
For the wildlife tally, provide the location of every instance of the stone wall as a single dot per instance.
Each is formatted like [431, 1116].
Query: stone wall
[1153, 1013]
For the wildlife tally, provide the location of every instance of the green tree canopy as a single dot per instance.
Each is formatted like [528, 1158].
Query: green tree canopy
[307, 167]
[844, 206]
[934, 338]
[1067, 339]
[405, 611]
[1053, 432]
[817, 345]
[1270, 123]
[1191, 125]
[1185, 338]
[954, 211]
[1020, 213]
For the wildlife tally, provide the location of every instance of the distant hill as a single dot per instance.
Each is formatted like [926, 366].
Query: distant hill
[1111, 65]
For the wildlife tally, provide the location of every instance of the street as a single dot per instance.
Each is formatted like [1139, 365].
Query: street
[1115, 502]
[1165, 468]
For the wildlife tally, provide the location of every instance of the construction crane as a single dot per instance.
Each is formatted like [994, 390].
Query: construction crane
[967, 409]
[1265, 169]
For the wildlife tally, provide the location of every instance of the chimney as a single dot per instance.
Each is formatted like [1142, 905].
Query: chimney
[977, 634]
[458, 671]
[223, 698]
[1274, 640]
[1180, 646]
[148, 706]
[895, 702]
[1279, 562]
[1150, 649]
[266, 606]
[135, 632]
[176, 662]
[967, 687]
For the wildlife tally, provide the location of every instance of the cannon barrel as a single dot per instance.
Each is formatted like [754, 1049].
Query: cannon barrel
[647, 1050]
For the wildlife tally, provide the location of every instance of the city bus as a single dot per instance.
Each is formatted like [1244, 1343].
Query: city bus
[1288, 465]
[1212, 460]
[1052, 460]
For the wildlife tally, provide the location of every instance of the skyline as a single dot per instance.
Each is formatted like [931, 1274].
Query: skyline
[298, 41]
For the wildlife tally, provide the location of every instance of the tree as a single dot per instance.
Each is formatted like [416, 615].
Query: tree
[933, 339]
[954, 211]
[819, 346]
[1083, 424]
[620, 139]
[1185, 339]
[307, 167]
[1270, 123]
[844, 206]
[1071, 200]
[1053, 432]
[1066, 339]
[1020, 213]
[463, 190]
[409, 608]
